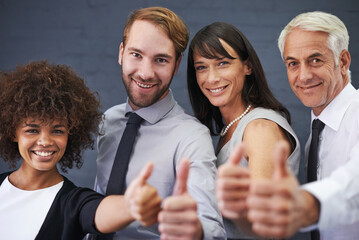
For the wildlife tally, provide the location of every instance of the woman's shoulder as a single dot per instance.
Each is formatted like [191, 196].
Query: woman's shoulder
[266, 113]
[260, 129]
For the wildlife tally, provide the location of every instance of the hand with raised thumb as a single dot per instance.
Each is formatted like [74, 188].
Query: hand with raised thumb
[280, 161]
[232, 185]
[181, 178]
[273, 203]
[143, 200]
[178, 218]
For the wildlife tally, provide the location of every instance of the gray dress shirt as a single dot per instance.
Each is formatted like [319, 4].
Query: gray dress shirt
[166, 135]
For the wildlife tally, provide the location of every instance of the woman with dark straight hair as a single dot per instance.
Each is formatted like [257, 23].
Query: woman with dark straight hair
[230, 95]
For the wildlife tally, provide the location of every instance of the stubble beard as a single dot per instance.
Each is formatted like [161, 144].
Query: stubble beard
[144, 100]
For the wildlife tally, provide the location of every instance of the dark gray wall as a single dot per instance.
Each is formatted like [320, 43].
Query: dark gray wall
[86, 34]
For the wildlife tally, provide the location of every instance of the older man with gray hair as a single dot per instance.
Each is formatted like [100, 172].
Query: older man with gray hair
[314, 47]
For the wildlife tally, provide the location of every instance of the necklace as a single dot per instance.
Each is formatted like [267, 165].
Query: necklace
[225, 129]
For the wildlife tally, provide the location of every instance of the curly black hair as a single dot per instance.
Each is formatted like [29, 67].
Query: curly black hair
[44, 91]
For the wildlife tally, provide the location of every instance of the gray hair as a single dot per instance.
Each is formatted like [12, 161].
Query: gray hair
[338, 37]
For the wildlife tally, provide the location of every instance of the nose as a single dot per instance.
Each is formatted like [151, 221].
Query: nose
[146, 70]
[44, 140]
[305, 73]
[213, 75]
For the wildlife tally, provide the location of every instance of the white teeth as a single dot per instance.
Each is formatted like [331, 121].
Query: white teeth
[43, 154]
[216, 90]
[143, 85]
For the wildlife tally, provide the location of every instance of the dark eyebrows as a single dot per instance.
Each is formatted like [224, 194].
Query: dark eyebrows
[33, 125]
[59, 126]
[217, 59]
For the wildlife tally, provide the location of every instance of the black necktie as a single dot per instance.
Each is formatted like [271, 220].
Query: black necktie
[317, 127]
[116, 183]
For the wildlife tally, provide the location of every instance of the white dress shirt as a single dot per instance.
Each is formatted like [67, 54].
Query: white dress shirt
[337, 187]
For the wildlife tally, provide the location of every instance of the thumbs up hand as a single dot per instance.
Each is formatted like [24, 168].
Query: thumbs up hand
[232, 186]
[181, 178]
[276, 206]
[178, 218]
[142, 200]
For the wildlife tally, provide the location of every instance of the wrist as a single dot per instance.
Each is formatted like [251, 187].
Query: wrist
[200, 231]
[128, 214]
[311, 209]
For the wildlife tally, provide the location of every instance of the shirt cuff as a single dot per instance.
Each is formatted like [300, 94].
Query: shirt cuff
[323, 191]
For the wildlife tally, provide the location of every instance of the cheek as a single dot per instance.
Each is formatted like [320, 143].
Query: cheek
[24, 144]
[165, 72]
[165, 75]
[291, 77]
[126, 68]
[129, 65]
[62, 143]
[200, 78]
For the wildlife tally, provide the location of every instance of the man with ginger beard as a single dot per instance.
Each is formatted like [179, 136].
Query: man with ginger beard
[150, 55]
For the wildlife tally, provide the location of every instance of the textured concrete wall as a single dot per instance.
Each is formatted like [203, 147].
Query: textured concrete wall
[86, 34]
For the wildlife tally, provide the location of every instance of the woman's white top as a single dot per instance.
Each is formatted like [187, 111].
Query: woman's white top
[22, 211]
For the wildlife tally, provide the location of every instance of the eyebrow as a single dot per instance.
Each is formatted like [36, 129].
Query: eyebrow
[289, 58]
[315, 55]
[217, 59]
[310, 56]
[162, 55]
[33, 125]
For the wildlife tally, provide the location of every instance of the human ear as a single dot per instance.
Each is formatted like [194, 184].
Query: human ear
[344, 62]
[120, 54]
[247, 67]
[178, 61]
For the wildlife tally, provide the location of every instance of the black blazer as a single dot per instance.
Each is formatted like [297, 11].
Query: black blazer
[71, 215]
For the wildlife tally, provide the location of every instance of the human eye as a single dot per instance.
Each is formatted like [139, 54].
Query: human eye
[161, 60]
[316, 61]
[291, 64]
[58, 131]
[200, 68]
[223, 63]
[31, 130]
[135, 54]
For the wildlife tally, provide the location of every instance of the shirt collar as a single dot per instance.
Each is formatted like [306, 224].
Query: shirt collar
[156, 111]
[333, 114]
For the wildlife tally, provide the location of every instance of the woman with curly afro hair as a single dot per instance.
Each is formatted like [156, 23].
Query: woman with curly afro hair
[47, 118]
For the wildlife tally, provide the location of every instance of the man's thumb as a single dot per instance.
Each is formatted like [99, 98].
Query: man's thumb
[145, 173]
[281, 153]
[236, 154]
[181, 178]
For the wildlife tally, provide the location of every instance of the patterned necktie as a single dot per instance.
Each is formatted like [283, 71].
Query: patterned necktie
[116, 183]
[317, 127]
